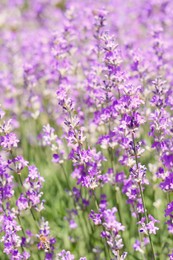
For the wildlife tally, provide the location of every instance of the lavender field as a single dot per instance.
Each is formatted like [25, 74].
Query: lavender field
[86, 129]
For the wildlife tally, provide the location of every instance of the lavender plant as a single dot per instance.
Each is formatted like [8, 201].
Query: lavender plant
[86, 129]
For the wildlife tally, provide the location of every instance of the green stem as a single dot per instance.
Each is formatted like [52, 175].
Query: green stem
[20, 179]
[79, 218]
[66, 177]
[83, 230]
[142, 196]
[111, 155]
[21, 225]
[146, 217]
[106, 248]
[140, 235]
[95, 200]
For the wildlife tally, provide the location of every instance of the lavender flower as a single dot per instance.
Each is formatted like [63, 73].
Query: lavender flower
[63, 255]
[106, 218]
[96, 76]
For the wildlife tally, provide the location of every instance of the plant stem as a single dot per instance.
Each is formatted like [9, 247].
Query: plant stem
[142, 196]
[106, 248]
[29, 208]
[146, 217]
[79, 216]
[66, 177]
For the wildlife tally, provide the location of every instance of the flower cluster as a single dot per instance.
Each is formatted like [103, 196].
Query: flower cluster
[20, 196]
[88, 88]
[111, 227]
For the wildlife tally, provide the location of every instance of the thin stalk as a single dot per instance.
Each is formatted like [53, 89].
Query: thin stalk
[142, 196]
[83, 230]
[33, 216]
[88, 231]
[86, 222]
[95, 200]
[89, 228]
[146, 217]
[116, 193]
[20, 180]
[21, 225]
[140, 235]
[66, 177]
[169, 197]
[111, 155]
[106, 248]
[3, 208]
[79, 218]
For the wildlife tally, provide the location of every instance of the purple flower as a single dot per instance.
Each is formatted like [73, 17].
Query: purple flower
[96, 217]
[64, 255]
[140, 246]
[169, 210]
[168, 160]
[19, 163]
[56, 158]
[107, 219]
[71, 218]
[7, 184]
[150, 227]
[22, 203]
[11, 239]
[170, 225]
[160, 173]
[138, 173]
[167, 184]
[119, 178]
[9, 141]
[137, 246]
